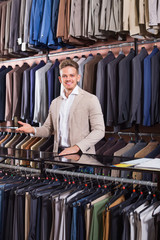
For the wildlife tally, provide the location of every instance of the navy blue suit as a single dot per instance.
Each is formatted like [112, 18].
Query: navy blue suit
[32, 87]
[147, 88]
[52, 40]
[51, 82]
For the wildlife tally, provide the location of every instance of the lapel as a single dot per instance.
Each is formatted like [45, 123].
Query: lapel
[75, 103]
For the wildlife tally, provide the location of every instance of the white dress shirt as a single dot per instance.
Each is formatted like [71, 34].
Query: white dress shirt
[64, 117]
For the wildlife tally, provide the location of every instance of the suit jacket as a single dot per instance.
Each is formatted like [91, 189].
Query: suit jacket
[112, 91]
[51, 82]
[25, 101]
[7, 26]
[41, 99]
[147, 88]
[81, 69]
[27, 21]
[32, 87]
[90, 73]
[31, 27]
[3, 92]
[137, 81]
[17, 90]
[3, 23]
[125, 84]
[52, 40]
[14, 25]
[56, 87]
[21, 21]
[76, 18]
[101, 84]
[63, 19]
[86, 122]
[155, 86]
[9, 94]
[46, 21]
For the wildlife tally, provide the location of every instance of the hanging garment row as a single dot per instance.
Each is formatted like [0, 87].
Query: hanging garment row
[14, 141]
[112, 151]
[127, 88]
[72, 209]
[37, 24]
[119, 149]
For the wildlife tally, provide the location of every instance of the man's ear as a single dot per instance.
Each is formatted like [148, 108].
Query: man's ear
[60, 79]
[79, 77]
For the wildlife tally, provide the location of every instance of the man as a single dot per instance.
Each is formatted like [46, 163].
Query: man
[75, 118]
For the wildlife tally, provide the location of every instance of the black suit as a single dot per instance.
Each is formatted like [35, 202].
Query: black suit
[101, 84]
[155, 99]
[137, 87]
[112, 91]
[125, 83]
[3, 92]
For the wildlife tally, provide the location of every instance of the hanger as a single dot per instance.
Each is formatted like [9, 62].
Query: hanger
[141, 139]
[131, 140]
[121, 51]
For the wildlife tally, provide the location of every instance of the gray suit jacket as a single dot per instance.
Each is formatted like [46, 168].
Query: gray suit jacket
[26, 22]
[41, 98]
[86, 122]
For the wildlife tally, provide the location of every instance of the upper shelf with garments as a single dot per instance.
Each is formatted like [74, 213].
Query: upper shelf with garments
[31, 26]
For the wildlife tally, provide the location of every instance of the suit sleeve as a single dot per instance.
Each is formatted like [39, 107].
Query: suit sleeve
[97, 127]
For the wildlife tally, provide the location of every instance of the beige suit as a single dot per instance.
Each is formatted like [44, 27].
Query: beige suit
[86, 124]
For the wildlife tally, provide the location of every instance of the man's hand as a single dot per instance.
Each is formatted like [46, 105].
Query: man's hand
[70, 150]
[26, 128]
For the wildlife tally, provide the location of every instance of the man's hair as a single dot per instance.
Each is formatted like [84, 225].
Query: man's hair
[68, 62]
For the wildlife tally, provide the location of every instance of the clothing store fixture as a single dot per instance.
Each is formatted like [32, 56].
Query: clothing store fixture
[48, 55]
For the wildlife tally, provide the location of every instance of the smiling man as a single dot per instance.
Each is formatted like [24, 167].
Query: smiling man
[75, 117]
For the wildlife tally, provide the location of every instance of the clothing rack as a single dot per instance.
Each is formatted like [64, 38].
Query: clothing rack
[25, 169]
[131, 133]
[134, 43]
[104, 178]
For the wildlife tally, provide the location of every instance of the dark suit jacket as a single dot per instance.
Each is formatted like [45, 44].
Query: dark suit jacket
[3, 92]
[101, 83]
[17, 90]
[25, 101]
[112, 91]
[137, 81]
[125, 84]
[14, 25]
[155, 88]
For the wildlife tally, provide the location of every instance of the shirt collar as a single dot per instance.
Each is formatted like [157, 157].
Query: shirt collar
[74, 92]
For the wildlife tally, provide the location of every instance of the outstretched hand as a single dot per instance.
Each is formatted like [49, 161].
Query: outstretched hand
[70, 150]
[26, 128]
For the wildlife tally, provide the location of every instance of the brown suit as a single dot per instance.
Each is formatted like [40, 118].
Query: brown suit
[63, 19]
[86, 122]
[90, 74]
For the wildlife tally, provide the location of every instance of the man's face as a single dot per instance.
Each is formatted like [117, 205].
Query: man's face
[69, 77]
